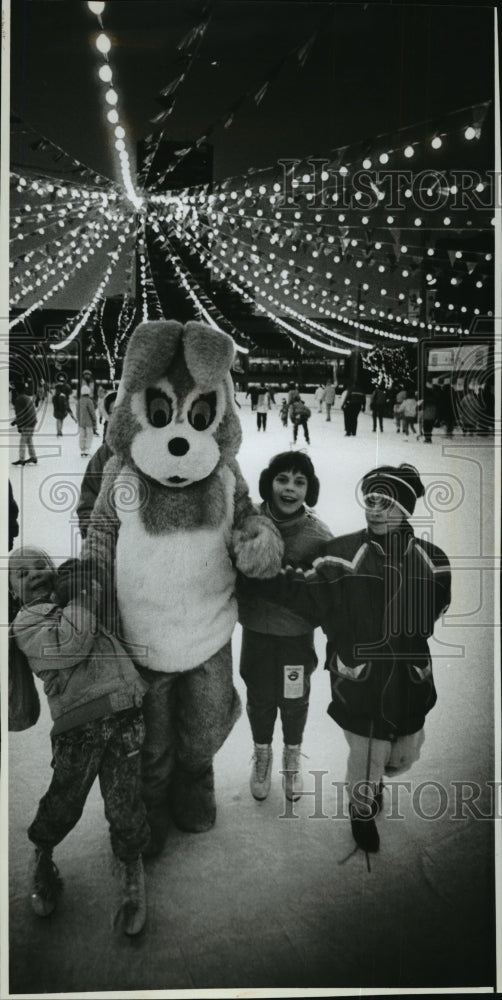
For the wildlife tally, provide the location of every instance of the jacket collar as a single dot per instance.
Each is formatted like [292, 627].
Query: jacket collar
[396, 544]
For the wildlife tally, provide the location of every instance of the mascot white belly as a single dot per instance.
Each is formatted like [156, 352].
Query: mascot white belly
[176, 592]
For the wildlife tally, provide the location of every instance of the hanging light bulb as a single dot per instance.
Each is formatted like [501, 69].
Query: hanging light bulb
[111, 96]
[384, 157]
[470, 133]
[436, 142]
[96, 7]
[409, 151]
[103, 43]
[113, 116]
[105, 73]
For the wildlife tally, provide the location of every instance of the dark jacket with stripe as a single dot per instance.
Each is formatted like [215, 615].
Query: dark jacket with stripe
[377, 601]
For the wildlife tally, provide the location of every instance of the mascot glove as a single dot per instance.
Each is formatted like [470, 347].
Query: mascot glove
[258, 548]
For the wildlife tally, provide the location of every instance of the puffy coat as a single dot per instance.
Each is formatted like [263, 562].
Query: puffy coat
[86, 672]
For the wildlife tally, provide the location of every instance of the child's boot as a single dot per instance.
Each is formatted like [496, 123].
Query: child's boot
[46, 883]
[292, 780]
[133, 907]
[261, 774]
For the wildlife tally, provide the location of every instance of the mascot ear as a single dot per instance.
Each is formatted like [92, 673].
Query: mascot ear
[208, 354]
[149, 354]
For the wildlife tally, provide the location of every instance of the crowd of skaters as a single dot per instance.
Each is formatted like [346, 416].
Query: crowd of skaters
[88, 407]
[440, 404]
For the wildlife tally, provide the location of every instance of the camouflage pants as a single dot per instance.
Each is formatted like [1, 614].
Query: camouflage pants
[108, 749]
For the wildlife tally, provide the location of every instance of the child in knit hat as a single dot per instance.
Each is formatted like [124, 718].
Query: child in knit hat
[377, 594]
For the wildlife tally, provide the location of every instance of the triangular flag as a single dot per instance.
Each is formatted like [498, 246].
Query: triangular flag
[161, 117]
[451, 255]
[260, 94]
[470, 265]
[396, 237]
[304, 52]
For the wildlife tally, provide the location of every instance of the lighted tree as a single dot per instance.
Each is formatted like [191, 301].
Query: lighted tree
[388, 366]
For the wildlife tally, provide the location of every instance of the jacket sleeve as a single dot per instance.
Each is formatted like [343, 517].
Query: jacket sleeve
[89, 492]
[57, 639]
[442, 584]
[100, 543]
[307, 593]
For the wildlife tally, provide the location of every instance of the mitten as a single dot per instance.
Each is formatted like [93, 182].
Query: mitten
[258, 548]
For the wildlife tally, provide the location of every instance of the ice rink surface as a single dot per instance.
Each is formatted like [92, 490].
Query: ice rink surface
[266, 899]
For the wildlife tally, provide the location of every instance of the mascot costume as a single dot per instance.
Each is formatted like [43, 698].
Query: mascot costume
[172, 521]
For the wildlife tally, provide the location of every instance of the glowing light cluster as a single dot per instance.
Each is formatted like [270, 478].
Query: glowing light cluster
[103, 45]
[84, 316]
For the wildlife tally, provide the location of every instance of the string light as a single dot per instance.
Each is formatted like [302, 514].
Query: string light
[103, 43]
[95, 299]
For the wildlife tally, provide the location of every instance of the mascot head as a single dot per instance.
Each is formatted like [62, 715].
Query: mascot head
[174, 418]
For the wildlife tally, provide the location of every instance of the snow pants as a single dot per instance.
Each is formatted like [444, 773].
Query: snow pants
[107, 749]
[188, 716]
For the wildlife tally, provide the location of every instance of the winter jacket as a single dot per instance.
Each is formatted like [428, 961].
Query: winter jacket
[87, 674]
[26, 415]
[86, 412]
[408, 408]
[91, 485]
[263, 403]
[299, 411]
[305, 538]
[354, 400]
[427, 408]
[377, 400]
[60, 404]
[377, 602]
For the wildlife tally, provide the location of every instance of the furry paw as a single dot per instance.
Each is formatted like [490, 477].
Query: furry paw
[258, 548]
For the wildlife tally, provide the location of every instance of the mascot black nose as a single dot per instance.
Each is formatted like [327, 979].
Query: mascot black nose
[178, 446]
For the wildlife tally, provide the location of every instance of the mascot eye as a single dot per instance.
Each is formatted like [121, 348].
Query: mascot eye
[159, 408]
[202, 412]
